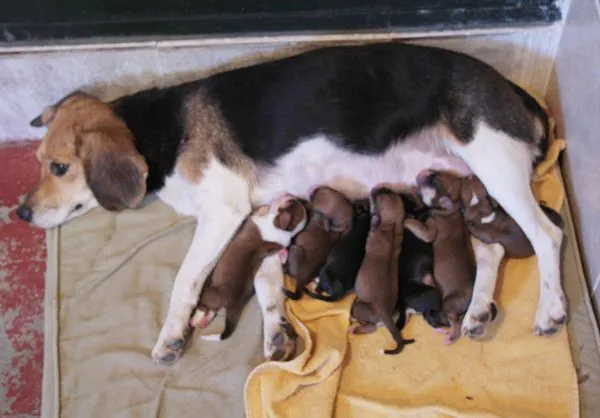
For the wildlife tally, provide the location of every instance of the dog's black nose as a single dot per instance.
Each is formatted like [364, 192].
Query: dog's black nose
[25, 213]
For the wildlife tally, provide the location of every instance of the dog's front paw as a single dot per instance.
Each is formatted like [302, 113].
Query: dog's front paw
[551, 313]
[477, 318]
[170, 344]
[280, 344]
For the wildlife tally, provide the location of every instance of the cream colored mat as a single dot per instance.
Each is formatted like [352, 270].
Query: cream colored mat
[106, 298]
[107, 289]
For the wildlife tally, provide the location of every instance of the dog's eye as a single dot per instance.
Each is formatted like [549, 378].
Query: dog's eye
[58, 169]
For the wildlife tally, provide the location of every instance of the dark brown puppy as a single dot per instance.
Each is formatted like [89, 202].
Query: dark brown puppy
[377, 280]
[483, 216]
[330, 220]
[230, 285]
[453, 261]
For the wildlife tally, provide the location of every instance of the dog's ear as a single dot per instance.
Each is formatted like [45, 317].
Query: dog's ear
[44, 118]
[114, 170]
[49, 113]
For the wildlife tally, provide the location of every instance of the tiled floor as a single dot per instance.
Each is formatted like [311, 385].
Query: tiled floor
[22, 269]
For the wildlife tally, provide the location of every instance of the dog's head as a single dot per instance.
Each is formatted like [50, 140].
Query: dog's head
[282, 220]
[335, 209]
[387, 207]
[439, 190]
[88, 157]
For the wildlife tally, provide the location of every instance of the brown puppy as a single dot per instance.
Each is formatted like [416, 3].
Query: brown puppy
[377, 280]
[230, 286]
[485, 219]
[453, 259]
[330, 220]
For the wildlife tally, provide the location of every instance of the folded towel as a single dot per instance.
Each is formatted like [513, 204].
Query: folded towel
[514, 374]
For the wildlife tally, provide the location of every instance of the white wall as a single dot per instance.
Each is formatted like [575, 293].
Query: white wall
[31, 80]
[574, 94]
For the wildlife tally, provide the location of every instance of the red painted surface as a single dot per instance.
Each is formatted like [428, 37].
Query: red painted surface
[22, 270]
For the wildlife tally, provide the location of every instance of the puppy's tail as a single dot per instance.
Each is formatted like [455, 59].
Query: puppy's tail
[400, 342]
[232, 318]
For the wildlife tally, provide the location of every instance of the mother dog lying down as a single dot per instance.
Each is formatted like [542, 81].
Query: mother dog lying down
[349, 117]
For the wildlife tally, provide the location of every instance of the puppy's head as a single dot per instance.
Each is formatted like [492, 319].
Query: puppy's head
[282, 220]
[439, 190]
[475, 198]
[334, 208]
[87, 157]
[387, 206]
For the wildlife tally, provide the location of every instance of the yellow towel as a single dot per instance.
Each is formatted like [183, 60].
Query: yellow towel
[514, 374]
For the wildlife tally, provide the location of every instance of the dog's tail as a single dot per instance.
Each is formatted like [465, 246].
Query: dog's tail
[391, 326]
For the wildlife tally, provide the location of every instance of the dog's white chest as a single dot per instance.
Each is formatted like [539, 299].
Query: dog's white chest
[218, 184]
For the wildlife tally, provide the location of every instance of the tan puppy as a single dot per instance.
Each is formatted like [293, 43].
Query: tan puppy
[377, 281]
[268, 229]
[330, 220]
[454, 265]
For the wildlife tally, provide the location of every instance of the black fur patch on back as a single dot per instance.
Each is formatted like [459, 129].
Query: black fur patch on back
[157, 119]
[362, 97]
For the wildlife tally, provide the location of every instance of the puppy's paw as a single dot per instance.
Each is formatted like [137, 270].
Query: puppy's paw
[201, 318]
[280, 345]
[170, 344]
[551, 314]
[477, 319]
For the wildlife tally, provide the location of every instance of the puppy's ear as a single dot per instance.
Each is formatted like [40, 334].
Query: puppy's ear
[375, 222]
[446, 203]
[327, 224]
[493, 202]
[114, 170]
[290, 216]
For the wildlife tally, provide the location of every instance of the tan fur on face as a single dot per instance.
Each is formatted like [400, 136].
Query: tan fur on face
[104, 166]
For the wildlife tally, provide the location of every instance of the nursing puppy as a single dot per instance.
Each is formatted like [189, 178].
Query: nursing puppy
[418, 291]
[484, 217]
[338, 274]
[231, 286]
[453, 261]
[330, 220]
[377, 281]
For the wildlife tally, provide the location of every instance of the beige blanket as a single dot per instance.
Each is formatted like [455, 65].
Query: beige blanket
[115, 277]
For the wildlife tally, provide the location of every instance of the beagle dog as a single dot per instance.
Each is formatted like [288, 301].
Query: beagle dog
[349, 117]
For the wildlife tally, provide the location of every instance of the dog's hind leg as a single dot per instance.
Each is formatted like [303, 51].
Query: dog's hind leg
[504, 165]
[279, 336]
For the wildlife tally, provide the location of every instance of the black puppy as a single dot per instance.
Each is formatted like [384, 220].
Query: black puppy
[338, 275]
